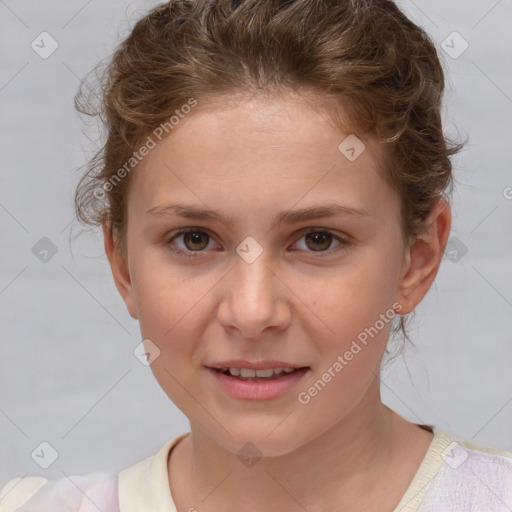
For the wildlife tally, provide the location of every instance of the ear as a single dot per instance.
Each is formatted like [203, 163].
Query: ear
[120, 270]
[424, 257]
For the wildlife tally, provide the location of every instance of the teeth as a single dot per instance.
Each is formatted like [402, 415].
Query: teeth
[266, 373]
[246, 372]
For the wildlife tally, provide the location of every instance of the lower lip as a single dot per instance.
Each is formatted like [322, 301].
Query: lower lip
[258, 389]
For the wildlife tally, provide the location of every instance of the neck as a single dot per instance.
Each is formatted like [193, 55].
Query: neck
[349, 462]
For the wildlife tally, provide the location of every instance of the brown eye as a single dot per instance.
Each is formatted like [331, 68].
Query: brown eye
[189, 242]
[319, 240]
[195, 240]
[192, 243]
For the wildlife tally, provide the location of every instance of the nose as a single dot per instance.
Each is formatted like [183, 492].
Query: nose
[254, 299]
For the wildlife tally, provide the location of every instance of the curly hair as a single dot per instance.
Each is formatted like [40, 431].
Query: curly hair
[364, 56]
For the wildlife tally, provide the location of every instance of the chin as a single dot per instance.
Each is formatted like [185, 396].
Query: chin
[264, 440]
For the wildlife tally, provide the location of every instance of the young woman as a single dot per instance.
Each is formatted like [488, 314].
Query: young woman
[273, 192]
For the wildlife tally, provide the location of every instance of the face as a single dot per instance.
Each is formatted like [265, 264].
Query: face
[270, 277]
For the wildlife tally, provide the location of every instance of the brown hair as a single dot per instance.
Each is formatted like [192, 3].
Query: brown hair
[363, 55]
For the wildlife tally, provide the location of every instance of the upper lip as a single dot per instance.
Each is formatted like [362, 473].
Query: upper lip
[260, 365]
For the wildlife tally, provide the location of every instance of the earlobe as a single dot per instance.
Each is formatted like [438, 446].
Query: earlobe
[424, 257]
[120, 271]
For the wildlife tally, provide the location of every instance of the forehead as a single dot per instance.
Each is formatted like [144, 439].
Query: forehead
[275, 149]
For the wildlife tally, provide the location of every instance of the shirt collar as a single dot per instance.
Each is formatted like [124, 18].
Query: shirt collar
[145, 485]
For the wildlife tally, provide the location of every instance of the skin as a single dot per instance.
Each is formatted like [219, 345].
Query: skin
[249, 160]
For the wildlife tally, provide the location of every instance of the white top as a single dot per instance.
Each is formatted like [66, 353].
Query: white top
[454, 476]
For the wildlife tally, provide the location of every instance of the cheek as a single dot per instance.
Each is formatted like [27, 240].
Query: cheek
[355, 309]
[350, 345]
[168, 302]
[172, 315]
[350, 299]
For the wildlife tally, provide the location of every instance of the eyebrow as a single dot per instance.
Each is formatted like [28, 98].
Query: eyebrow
[283, 217]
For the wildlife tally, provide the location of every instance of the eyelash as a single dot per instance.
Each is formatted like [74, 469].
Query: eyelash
[194, 254]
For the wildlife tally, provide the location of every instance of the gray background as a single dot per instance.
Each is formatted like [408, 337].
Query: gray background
[67, 372]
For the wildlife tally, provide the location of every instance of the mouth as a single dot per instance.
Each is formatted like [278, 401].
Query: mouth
[261, 374]
[262, 380]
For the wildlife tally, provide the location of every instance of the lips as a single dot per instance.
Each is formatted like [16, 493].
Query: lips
[257, 388]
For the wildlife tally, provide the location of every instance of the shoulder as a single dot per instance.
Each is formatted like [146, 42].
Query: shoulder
[18, 491]
[469, 477]
[142, 486]
[82, 493]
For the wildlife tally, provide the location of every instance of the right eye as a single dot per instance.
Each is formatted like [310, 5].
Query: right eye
[194, 241]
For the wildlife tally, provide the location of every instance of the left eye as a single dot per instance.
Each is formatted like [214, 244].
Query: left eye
[320, 240]
[195, 241]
